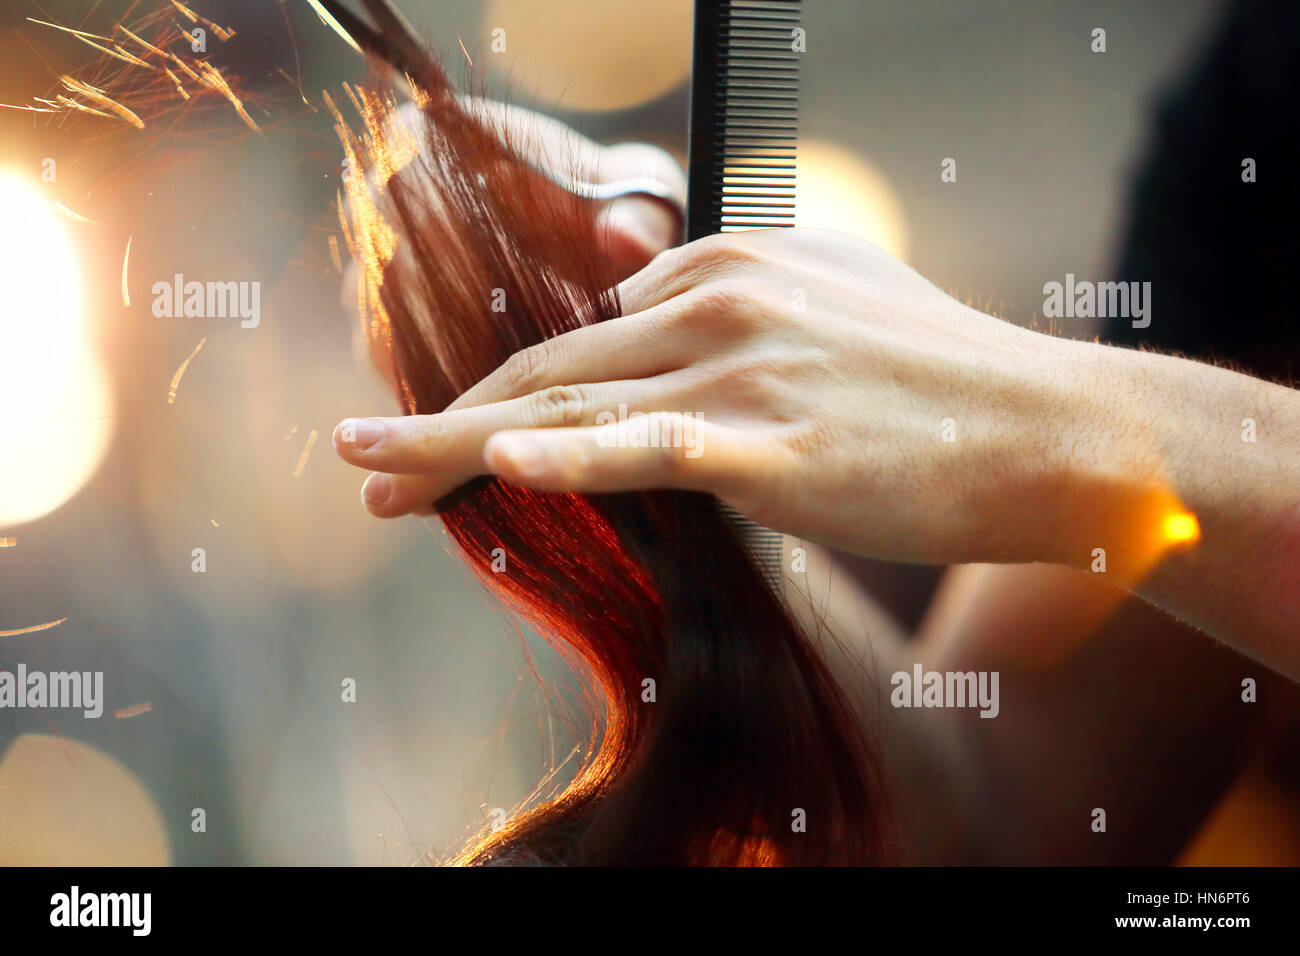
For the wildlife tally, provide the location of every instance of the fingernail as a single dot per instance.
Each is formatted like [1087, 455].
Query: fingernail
[527, 455]
[360, 433]
[376, 490]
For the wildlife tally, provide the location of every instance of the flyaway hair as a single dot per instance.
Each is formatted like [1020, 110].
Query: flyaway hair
[749, 753]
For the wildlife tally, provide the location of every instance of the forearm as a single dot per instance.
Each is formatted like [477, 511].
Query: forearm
[886, 419]
[1168, 437]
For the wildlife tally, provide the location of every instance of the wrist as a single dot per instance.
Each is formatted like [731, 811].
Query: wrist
[1112, 504]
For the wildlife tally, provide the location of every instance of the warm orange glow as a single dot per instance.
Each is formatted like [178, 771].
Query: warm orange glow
[1181, 528]
[55, 403]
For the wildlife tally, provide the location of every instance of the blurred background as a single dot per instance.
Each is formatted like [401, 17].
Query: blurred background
[197, 538]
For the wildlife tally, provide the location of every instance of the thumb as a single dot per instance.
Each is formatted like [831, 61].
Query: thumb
[635, 229]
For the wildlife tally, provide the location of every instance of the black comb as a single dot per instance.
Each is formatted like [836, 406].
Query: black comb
[744, 120]
[744, 116]
[741, 171]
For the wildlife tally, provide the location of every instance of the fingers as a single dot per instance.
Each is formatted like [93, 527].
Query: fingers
[428, 456]
[391, 496]
[633, 230]
[687, 267]
[423, 443]
[631, 347]
[661, 450]
[636, 228]
[643, 361]
[543, 142]
[643, 161]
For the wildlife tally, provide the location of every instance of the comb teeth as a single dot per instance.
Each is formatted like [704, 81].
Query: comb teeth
[744, 127]
[744, 123]
[766, 548]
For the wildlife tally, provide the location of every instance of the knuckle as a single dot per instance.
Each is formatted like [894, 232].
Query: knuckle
[748, 381]
[808, 438]
[666, 265]
[562, 406]
[675, 315]
[524, 369]
[724, 251]
[784, 375]
[727, 302]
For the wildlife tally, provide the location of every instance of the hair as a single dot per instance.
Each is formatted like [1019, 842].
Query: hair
[748, 732]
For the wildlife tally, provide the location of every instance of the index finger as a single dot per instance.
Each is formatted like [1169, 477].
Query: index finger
[638, 346]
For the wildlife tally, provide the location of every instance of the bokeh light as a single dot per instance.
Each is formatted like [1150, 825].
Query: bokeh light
[67, 803]
[55, 401]
[837, 189]
[590, 56]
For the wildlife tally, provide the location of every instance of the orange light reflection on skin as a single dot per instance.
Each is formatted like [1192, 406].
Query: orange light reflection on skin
[1182, 528]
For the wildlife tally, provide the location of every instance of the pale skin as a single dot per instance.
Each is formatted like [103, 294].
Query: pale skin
[826, 420]
[827, 424]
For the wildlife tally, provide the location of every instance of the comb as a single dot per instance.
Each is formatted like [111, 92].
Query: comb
[743, 130]
[744, 116]
[744, 122]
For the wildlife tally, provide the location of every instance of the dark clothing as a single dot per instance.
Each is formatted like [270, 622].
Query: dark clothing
[1223, 255]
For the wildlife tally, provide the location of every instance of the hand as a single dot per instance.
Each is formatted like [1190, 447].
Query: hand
[632, 228]
[822, 388]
